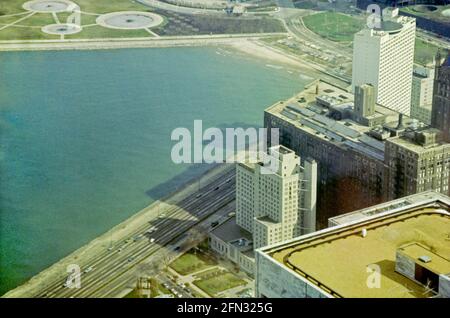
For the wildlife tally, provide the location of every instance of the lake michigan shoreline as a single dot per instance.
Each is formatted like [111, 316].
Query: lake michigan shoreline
[57, 271]
[246, 46]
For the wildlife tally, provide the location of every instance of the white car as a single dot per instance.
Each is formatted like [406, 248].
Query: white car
[89, 269]
[152, 240]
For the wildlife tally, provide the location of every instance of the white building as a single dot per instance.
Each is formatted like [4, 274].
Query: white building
[277, 206]
[384, 57]
[422, 93]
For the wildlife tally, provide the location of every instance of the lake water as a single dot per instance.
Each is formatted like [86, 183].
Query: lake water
[85, 137]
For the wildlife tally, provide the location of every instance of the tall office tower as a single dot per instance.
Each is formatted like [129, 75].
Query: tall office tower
[422, 93]
[440, 114]
[277, 206]
[384, 57]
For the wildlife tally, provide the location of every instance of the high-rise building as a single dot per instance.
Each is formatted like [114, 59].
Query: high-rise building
[422, 93]
[364, 100]
[416, 162]
[440, 116]
[276, 206]
[397, 249]
[271, 206]
[383, 57]
[362, 160]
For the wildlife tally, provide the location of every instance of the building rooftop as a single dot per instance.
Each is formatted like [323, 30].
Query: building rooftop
[336, 259]
[325, 111]
[230, 231]
[418, 199]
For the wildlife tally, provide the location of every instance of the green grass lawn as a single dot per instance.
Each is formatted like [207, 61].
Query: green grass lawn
[424, 52]
[190, 263]
[11, 6]
[218, 283]
[333, 26]
[38, 20]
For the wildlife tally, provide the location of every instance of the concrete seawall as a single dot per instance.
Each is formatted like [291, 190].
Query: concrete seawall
[96, 44]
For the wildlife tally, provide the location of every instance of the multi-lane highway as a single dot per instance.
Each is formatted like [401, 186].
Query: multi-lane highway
[106, 274]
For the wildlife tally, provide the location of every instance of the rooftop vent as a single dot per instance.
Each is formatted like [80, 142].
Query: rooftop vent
[425, 259]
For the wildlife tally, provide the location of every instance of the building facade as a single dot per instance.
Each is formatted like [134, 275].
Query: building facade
[368, 159]
[383, 57]
[417, 162]
[276, 206]
[422, 93]
[440, 117]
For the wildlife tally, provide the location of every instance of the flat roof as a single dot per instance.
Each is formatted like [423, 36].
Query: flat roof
[422, 198]
[304, 112]
[230, 231]
[336, 259]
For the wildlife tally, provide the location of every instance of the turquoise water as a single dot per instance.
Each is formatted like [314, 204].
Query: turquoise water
[85, 137]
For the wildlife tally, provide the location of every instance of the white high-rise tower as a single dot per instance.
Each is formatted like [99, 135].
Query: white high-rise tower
[278, 206]
[383, 56]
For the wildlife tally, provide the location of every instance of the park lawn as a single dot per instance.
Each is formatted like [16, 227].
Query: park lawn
[333, 26]
[19, 33]
[190, 263]
[106, 6]
[424, 52]
[11, 19]
[11, 6]
[37, 20]
[219, 283]
[91, 6]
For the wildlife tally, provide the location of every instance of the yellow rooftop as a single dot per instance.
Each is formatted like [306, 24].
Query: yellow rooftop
[337, 260]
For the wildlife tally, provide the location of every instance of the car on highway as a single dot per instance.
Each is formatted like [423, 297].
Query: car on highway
[110, 248]
[119, 250]
[89, 269]
[214, 224]
[198, 195]
[151, 230]
[217, 188]
[152, 240]
[130, 259]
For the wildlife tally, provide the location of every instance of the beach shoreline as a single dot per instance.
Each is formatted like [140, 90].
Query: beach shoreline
[249, 44]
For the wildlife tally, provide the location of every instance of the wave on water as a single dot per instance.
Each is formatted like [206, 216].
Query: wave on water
[305, 77]
[278, 67]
